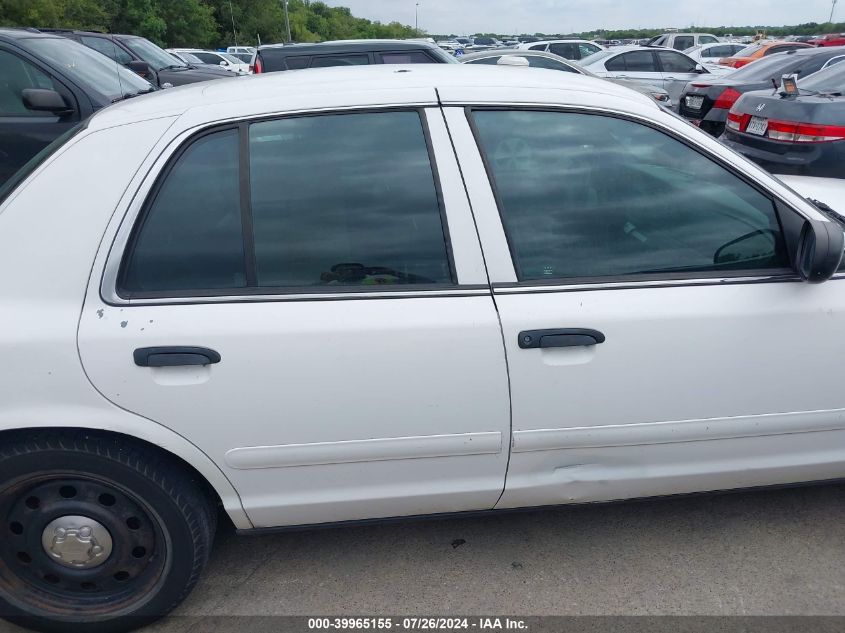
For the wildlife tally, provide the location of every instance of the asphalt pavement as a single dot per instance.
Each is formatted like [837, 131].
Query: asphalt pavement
[771, 552]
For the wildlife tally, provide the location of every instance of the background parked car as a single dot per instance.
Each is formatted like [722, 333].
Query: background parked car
[803, 135]
[550, 61]
[568, 49]
[276, 58]
[666, 68]
[758, 51]
[144, 57]
[833, 39]
[710, 54]
[683, 41]
[223, 60]
[48, 85]
[241, 50]
[706, 101]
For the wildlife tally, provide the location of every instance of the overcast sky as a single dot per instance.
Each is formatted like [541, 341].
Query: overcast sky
[562, 16]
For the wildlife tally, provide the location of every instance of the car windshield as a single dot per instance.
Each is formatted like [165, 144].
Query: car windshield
[89, 67]
[765, 68]
[156, 57]
[231, 58]
[748, 51]
[692, 49]
[190, 58]
[831, 79]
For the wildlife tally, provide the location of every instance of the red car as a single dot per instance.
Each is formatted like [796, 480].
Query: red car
[833, 39]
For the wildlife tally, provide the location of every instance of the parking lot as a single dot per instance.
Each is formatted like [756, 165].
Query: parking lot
[772, 552]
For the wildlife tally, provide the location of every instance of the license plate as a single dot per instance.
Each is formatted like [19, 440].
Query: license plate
[694, 103]
[757, 125]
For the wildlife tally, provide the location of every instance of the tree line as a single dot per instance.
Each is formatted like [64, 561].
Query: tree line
[201, 23]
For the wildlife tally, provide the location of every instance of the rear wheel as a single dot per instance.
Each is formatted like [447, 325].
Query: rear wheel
[97, 532]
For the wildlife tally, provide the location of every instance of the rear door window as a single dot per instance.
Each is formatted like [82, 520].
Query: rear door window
[640, 61]
[327, 61]
[567, 51]
[297, 63]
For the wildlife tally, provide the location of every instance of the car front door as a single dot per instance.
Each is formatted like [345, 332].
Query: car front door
[639, 66]
[678, 70]
[304, 298]
[24, 132]
[650, 313]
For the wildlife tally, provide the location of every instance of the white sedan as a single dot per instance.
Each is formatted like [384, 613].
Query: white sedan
[384, 291]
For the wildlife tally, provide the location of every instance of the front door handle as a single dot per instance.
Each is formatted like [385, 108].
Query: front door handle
[175, 356]
[568, 337]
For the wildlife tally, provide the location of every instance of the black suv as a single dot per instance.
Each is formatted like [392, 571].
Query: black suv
[144, 57]
[48, 85]
[275, 58]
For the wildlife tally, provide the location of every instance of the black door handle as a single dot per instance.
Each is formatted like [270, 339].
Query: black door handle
[175, 356]
[569, 337]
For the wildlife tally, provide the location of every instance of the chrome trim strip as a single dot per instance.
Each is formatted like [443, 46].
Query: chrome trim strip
[678, 431]
[358, 451]
[507, 289]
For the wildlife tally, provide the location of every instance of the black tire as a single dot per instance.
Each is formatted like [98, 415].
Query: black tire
[160, 524]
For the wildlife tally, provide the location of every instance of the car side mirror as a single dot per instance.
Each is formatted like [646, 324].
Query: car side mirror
[41, 100]
[701, 69]
[224, 63]
[141, 68]
[820, 250]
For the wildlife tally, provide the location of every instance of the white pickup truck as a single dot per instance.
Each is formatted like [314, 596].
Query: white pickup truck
[386, 291]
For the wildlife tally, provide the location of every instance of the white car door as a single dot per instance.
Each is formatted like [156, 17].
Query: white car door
[658, 341]
[304, 298]
[639, 66]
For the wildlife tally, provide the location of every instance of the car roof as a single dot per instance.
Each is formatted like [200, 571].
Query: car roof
[349, 45]
[24, 34]
[366, 86]
[515, 52]
[571, 40]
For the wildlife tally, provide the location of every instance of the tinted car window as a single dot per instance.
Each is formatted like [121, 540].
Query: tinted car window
[585, 50]
[552, 64]
[639, 61]
[108, 48]
[675, 62]
[340, 60]
[538, 47]
[17, 75]
[191, 236]
[718, 51]
[410, 57]
[345, 200]
[567, 51]
[707, 39]
[587, 196]
[683, 42]
[831, 79]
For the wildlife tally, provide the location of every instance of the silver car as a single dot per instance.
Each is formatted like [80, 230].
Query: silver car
[550, 61]
[667, 68]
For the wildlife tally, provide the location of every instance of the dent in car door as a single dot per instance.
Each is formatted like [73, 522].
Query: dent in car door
[650, 335]
[350, 361]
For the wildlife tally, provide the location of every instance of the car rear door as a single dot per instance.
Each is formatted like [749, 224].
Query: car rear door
[304, 298]
[649, 311]
[24, 132]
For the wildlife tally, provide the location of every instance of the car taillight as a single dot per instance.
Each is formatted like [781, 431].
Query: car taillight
[736, 121]
[805, 132]
[259, 67]
[725, 100]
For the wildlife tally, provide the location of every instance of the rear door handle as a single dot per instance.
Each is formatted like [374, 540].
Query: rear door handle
[175, 356]
[568, 337]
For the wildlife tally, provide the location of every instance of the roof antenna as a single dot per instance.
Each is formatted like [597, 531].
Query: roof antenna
[234, 32]
[117, 67]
